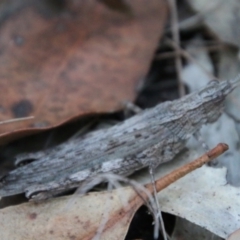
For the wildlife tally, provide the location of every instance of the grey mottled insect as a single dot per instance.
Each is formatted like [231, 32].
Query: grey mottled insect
[153, 136]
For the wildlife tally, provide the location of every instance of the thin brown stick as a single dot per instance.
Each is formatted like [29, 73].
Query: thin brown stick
[188, 56]
[16, 120]
[198, 19]
[184, 170]
[176, 37]
[168, 55]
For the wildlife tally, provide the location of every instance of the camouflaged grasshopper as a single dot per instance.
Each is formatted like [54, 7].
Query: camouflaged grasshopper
[151, 137]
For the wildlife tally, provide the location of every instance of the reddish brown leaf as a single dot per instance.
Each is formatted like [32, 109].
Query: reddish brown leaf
[82, 58]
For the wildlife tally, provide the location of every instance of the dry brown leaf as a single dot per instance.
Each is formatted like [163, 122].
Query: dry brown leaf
[70, 218]
[7, 137]
[83, 57]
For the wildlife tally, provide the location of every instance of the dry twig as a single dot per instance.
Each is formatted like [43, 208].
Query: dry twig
[16, 120]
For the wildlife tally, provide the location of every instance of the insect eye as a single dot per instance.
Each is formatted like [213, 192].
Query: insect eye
[209, 89]
[206, 92]
[213, 83]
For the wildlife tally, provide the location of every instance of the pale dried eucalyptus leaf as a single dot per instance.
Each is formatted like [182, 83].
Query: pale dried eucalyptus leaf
[221, 17]
[202, 197]
[70, 217]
